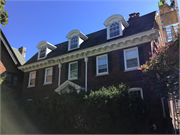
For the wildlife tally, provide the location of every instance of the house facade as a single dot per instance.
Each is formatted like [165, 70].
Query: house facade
[11, 58]
[100, 59]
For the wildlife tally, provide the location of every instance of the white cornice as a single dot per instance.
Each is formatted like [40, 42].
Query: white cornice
[129, 41]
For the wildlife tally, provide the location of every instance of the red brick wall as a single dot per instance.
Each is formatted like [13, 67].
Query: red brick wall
[2, 68]
[131, 78]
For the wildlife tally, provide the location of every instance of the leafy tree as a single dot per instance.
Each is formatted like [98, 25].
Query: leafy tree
[4, 14]
[162, 71]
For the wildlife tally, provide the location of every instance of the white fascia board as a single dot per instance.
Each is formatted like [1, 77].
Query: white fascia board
[122, 40]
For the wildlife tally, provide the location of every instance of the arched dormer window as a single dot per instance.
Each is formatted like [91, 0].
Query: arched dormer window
[44, 49]
[76, 38]
[114, 29]
[115, 25]
[74, 42]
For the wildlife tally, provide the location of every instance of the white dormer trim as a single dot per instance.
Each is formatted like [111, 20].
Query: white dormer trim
[80, 35]
[49, 48]
[119, 19]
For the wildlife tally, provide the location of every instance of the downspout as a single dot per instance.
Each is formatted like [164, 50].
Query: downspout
[59, 66]
[86, 61]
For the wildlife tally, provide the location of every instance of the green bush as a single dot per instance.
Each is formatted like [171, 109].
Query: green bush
[108, 110]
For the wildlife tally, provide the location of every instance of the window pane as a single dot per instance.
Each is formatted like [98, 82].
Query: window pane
[131, 54]
[136, 93]
[32, 82]
[33, 75]
[132, 63]
[102, 64]
[73, 74]
[73, 66]
[49, 71]
[73, 70]
[49, 78]
[8, 79]
[74, 42]
[42, 52]
[114, 29]
[15, 81]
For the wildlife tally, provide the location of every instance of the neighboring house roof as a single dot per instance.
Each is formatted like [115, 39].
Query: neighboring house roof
[17, 58]
[138, 25]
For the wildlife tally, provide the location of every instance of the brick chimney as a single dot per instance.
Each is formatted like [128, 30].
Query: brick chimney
[22, 51]
[133, 16]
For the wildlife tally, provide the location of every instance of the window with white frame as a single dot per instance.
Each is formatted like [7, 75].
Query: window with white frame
[102, 64]
[42, 52]
[73, 70]
[48, 75]
[136, 92]
[114, 29]
[32, 79]
[74, 43]
[131, 58]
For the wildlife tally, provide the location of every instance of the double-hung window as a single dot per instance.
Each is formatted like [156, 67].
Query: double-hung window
[32, 79]
[131, 58]
[102, 64]
[73, 70]
[48, 75]
[74, 43]
[114, 29]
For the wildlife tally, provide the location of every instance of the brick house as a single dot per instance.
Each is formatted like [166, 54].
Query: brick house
[103, 58]
[11, 58]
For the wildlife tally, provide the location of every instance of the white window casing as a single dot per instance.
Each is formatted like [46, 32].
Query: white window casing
[73, 71]
[137, 90]
[102, 64]
[32, 79]
[48, 75]
[76, 38]
[131, 59]
[44, 49]
[120, 22]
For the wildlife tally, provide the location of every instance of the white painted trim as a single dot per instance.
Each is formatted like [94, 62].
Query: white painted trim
[9, 51]
[69, 78]
[66, 83]
[125, 62]
[59, 66]
[46, 75]
[47, 44]
[86, 66]
[137, 89]
[139, 38]
[97, 73]
[102, 74]
[30, 79]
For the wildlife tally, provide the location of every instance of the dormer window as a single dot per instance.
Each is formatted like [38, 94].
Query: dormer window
[74, 42]
[44, 49]
[42, 52]
[114, 29]
[76, 38]
[115, 25]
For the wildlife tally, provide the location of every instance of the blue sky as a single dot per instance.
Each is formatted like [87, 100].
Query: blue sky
[31, 22]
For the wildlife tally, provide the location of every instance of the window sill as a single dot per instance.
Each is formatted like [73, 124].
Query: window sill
[31, 86]
[41, 58]
[73, 49]
[73, 79]
[47, 83]
[127, 70]
[102, 74]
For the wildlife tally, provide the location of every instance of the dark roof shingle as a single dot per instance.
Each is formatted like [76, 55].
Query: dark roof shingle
[138, 25]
